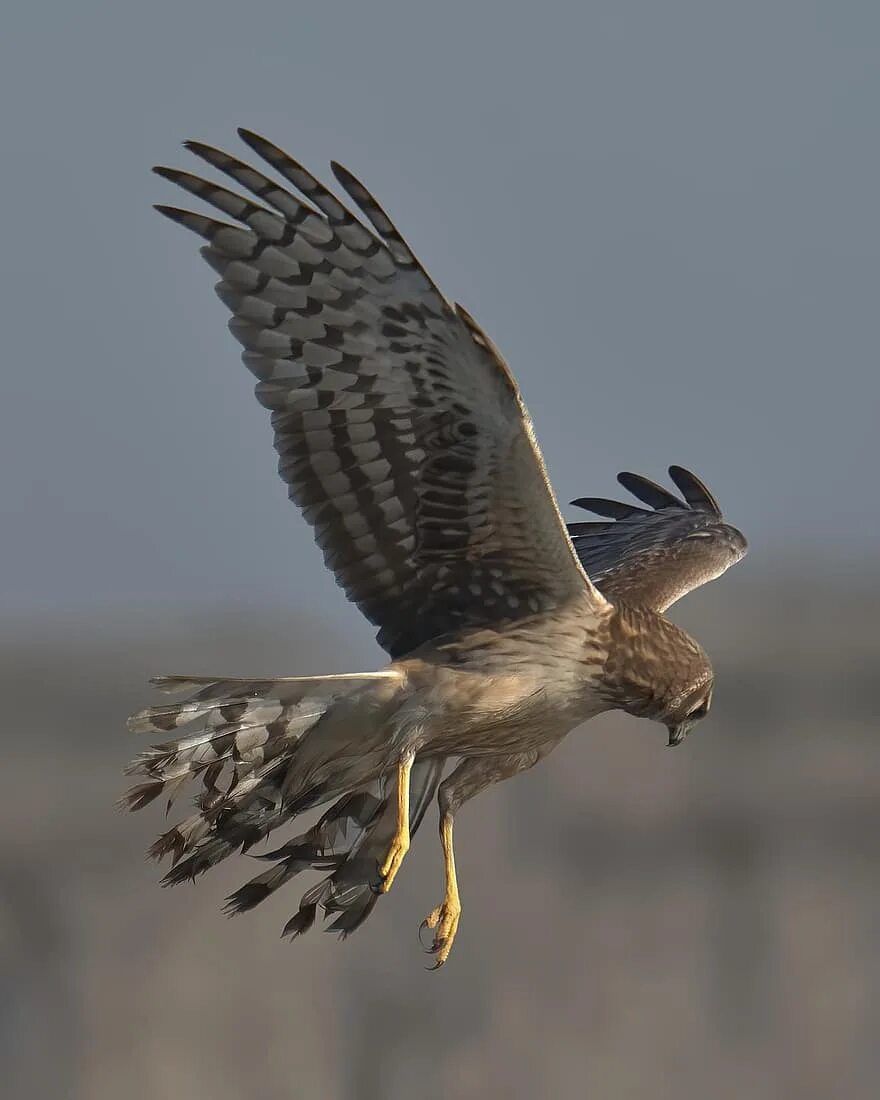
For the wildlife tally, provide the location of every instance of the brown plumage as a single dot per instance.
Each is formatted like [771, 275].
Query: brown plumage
[403, 438]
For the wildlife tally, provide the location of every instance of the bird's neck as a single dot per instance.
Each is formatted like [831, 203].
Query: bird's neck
[650, 660]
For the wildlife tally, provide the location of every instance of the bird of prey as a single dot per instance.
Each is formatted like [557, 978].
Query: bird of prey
[405, 442]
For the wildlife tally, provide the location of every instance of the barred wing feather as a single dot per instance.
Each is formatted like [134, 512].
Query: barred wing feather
[401, 433]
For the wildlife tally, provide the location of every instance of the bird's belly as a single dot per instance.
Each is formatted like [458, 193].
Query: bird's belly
[499, 720]
[496, 692]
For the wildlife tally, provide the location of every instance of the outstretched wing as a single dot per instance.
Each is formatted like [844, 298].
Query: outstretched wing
[401, 433]
[653, 556]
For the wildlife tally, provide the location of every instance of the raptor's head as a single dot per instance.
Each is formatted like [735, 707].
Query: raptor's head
[684, 715]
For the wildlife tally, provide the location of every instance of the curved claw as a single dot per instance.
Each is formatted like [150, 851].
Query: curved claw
[436, 947]
[427, 950]
[445, 919]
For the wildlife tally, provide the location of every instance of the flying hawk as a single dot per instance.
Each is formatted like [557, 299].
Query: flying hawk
[404, 440]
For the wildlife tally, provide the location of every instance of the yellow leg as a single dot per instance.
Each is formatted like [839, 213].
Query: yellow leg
[400, 843]
[445, 917]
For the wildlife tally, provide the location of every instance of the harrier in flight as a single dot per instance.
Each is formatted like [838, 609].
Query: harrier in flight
[404, 440]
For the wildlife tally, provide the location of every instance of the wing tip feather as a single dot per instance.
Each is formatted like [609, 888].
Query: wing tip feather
[694, 490]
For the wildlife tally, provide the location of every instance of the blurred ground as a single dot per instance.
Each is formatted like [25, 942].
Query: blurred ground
[637, 922]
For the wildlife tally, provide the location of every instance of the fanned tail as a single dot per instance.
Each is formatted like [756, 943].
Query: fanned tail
[245, 726]
[242, 742]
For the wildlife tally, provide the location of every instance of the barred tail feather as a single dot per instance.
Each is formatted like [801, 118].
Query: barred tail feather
[350, 892]
[350, 841]
[242, 739]
[243, 736]
[245, 724]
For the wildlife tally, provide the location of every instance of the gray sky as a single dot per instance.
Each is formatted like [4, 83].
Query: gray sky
[664, 214]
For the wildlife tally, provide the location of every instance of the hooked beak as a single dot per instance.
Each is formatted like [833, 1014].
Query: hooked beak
[677, 734]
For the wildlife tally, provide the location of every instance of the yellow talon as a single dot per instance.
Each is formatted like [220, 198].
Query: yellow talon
[446, 916]
[400, 843]
[445, 919]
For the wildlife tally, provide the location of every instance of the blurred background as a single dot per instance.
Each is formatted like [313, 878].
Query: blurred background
[666, 216]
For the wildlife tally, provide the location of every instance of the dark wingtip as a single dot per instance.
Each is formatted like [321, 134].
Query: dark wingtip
[694, 490]
[201, 149]
[257, 142]
[696, 496]
[173, 212]
[648, 492]
[178, 176]
[612, 509]
[352, 185]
